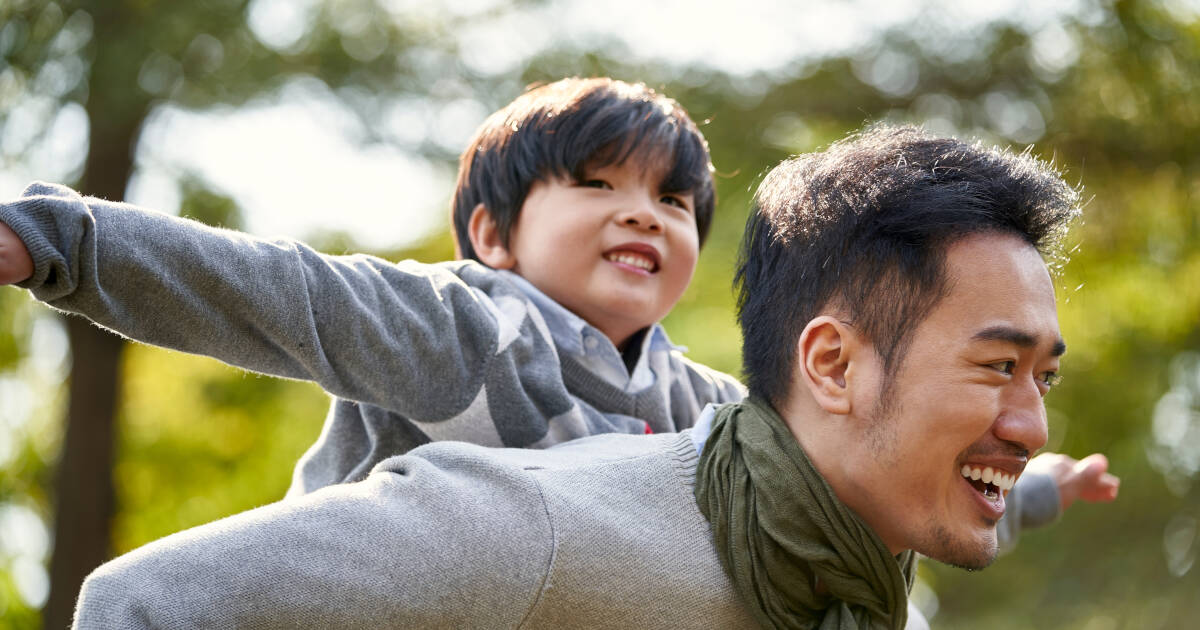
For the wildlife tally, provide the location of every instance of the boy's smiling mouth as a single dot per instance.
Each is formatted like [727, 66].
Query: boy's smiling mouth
[637, 256]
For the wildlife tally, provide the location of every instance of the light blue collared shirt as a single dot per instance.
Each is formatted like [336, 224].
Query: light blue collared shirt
[596, 351]
[703, 427]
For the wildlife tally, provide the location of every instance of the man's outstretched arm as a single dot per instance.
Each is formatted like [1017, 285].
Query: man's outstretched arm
[411, 546]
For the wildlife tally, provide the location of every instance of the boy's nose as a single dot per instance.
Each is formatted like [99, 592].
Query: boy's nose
[640, 215]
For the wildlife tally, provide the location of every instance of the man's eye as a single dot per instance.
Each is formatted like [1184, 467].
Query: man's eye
[596, 183]
[1005, 366]
[1050, 378]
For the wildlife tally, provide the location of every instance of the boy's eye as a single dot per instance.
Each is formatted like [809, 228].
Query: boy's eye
[596, 183]
[673, 200]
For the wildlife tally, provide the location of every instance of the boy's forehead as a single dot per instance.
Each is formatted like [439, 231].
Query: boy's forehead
[645, 165]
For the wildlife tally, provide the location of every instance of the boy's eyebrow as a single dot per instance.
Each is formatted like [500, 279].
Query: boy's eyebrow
[1018, 338]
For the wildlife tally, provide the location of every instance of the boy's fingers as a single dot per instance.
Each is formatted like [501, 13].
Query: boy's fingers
[1095, 484]
[1092, 465]
[15, 263]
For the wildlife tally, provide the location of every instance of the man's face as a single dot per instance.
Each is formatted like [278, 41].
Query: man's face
[966, 397]
[614, 249]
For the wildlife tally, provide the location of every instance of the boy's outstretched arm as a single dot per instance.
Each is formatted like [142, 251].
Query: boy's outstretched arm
[1050, 484]
[15, 262]
[1087, 479]
[411, 338]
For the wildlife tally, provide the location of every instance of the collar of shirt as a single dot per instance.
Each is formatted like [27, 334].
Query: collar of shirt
[703, 427]
[574, 336]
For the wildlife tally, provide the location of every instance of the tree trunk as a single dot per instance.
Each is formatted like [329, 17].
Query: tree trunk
[83, 485]
[83, 493]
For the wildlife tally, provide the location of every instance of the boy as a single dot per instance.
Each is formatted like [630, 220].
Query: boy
[586, 200]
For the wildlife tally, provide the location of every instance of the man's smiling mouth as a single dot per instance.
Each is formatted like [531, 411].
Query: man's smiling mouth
[991, 483]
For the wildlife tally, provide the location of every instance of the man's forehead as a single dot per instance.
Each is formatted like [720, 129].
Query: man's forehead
[999, 290]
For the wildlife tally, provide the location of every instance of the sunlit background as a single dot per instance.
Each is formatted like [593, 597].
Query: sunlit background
[339, 121]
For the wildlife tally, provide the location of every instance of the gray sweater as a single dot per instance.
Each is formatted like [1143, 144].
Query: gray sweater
[603, 532]
[412, 352]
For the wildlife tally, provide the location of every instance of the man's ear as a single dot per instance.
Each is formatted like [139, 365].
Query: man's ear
[825, 350]
[485, 240]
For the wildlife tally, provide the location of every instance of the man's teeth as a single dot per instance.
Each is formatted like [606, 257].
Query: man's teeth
[1000, 479]
[632, 260]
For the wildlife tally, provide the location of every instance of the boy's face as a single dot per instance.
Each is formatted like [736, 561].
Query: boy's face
[614, 248]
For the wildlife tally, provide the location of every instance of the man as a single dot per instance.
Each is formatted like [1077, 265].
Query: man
[900, 331]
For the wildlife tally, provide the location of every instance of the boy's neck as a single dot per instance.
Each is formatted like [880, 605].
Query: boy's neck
[633, 349]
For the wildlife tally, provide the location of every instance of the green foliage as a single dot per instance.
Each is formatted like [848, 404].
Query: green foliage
[1116, 110]
[31, 398]
[202, 204]
[201, 440]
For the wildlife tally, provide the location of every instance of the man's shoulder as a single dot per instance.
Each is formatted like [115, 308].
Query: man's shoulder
[615, 476]
[580, 453]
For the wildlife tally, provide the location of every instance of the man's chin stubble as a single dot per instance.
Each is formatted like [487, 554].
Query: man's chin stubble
[944, 548]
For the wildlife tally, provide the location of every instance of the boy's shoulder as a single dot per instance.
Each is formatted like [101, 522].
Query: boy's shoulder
[701, 375]
[471, 273]
[512, 299]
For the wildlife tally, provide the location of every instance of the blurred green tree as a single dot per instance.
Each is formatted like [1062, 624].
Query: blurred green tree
[1106, 91]
[114, 62]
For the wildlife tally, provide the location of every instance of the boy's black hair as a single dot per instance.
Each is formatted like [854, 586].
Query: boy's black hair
[558, 130]
[864, 226]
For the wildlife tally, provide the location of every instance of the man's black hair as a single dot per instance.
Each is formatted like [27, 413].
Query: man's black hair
[560, 129]
[862, 229]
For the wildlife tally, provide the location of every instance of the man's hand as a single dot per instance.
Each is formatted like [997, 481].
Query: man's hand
[1086, 479]
[15, 263]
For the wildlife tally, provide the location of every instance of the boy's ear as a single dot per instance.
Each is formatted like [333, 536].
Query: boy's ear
[825, 352]
[485, 240]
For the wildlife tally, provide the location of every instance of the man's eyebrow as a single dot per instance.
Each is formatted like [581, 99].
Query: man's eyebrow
[1017, 337]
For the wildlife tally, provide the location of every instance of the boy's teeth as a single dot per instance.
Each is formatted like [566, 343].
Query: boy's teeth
[988, 475]
[632, 260]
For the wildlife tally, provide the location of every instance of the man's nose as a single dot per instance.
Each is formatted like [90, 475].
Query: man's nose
[1023, 419]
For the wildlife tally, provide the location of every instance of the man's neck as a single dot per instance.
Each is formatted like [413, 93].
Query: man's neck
[824, 438]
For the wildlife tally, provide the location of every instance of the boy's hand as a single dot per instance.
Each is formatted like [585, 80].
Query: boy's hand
[1086, 479]
[15, 263]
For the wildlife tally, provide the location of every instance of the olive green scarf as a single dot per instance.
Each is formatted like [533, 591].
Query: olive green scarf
[779, 529]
